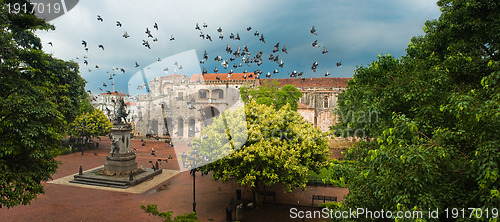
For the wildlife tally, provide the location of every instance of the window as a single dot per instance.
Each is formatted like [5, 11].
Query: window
[218, 94]
[180, 96]
[203, 94]
[325, 102]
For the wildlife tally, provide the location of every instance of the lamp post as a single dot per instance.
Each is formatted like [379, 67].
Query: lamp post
[192, 160]
[82, 128]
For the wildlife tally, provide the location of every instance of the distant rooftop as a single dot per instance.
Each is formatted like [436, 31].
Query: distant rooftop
[333, 82]
[114, 93]
[222, 77]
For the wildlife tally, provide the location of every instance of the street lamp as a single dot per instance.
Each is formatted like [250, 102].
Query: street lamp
[192, 160]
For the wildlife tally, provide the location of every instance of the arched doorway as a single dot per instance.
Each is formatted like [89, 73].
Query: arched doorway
[154, 127]
[180, 127]
[170, 127]
[209, 114]
[191, 128]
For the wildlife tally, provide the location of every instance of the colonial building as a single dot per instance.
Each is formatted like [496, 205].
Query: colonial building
[190, 103]
[319, 98]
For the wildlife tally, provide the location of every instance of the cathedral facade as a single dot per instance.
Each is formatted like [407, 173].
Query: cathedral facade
[190, 103]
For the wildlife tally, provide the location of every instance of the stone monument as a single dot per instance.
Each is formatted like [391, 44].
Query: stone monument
[120, 169]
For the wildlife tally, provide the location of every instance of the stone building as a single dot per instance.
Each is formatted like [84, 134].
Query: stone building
[319, 98]
[192, 102]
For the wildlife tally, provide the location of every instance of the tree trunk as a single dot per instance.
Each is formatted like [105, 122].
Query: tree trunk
[256, 196]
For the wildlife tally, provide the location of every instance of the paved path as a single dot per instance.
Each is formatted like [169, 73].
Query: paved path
[171, 191]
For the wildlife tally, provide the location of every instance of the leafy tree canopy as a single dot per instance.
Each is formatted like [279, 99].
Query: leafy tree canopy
[167, 216]
[39, 96]
[269, 94]
[90, 124]
[281, 147]
[436, 137]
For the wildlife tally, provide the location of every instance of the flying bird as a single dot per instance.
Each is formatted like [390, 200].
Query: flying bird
[136, 64]
[125, 35]
[327, 73]
[119, 24]
[276, 47]
[197, 27]
[219, 30]
[262, 38]
[313, 31]
[50, 43]
[102, 47]
[84, 43]
[284, 49]
[314, 66]
[324, 50]
[99, 18]
[315, 44]
[172, 38]
[339, 63]
[155, 26]
[249, 29]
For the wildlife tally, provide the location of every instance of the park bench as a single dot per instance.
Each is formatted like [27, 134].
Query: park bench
[323, 198]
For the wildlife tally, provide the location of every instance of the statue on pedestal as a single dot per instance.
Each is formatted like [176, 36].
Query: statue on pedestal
[121, 113]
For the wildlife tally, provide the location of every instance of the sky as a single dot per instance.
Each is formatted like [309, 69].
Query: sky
[354, 33]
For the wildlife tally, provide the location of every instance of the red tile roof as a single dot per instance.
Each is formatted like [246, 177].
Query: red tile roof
[334, 82]
[303, 106]
[173, 76]
[114, 93]
[222, 77]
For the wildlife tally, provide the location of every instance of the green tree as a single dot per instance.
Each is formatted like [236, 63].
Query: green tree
[436, 139]
[270, 94]
[281, 148]
[39, 96]
[90, 124]
[167, 216]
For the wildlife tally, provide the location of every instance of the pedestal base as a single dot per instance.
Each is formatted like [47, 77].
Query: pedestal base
[97, 178]
[119, 164]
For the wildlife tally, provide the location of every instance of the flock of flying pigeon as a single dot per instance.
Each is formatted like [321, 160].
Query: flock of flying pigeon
[236, 53]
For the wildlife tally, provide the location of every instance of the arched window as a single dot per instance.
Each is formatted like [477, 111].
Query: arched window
[203, 93]
[325, 102]
[192, 127]
[218, 94]
[180, 128]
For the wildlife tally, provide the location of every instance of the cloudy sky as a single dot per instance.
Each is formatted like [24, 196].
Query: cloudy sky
[354, 32]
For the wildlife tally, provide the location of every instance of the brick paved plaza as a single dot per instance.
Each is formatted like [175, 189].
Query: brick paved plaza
[171, 190]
